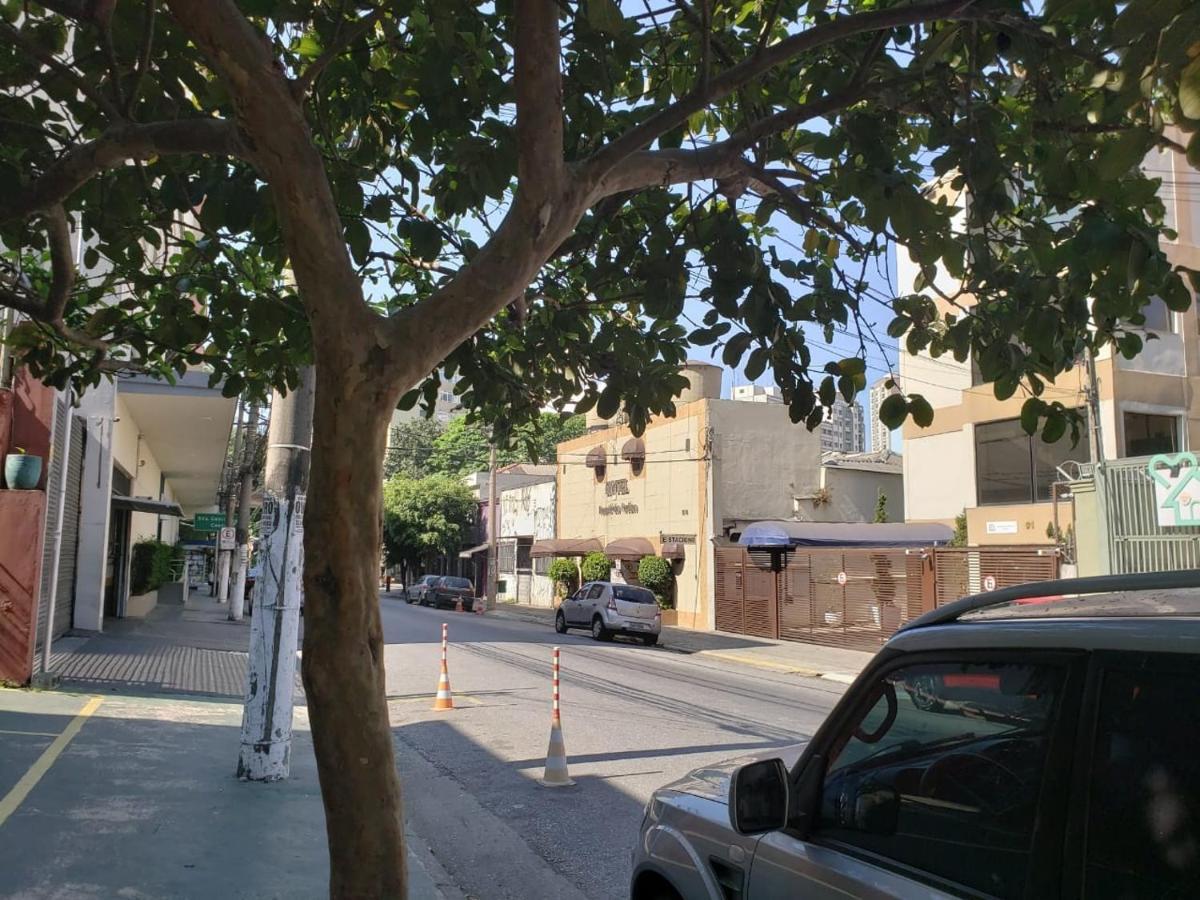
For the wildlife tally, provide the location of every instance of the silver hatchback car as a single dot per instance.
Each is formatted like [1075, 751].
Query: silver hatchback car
[1038, 741]
[606, 609]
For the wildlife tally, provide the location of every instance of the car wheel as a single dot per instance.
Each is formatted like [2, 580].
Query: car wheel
[649, 639]
[599, 632]
[560, 623]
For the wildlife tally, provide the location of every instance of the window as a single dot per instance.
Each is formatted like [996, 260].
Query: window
[1014, 467]
[1146, 434]
[1143, 819]
[541, 565]
[507, 553]
[596, 591]
[632, 594]
[524, 560]
[1159, 318]
[943, 772]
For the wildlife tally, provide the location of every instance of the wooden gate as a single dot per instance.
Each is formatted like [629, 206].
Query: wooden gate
[961, 572]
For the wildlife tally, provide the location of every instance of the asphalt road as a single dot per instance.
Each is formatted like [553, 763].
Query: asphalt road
[634, 718]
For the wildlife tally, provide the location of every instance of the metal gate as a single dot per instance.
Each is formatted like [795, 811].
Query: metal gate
[849, 598]
[960, 572]
[1137, 543]
[71, 468]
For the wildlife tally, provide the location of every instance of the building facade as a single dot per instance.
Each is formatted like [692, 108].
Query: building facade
[881, 435]
[976, 460]
[842, 431]
[527, 514]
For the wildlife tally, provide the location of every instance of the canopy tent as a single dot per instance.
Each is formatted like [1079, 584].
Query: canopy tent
[597, 457]
[565, 547]
[630, 548]
[785, 534]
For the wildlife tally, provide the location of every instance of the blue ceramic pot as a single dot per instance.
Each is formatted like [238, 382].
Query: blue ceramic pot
[22, 471]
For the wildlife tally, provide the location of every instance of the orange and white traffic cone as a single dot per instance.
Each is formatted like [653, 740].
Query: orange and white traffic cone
[556, 755]
[444, 699]
[458, 604]
[478, 606]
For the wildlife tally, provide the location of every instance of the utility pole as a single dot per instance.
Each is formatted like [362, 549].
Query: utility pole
[225, 557]
[245, 489]
[1099, 474]
[275, 616]
[493, 532]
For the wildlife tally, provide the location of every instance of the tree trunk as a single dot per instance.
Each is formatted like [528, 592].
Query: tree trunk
[343, 638]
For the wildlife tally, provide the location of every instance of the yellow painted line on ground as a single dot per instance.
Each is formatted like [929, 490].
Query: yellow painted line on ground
[13, 799]
[30, 733]
[760, 663]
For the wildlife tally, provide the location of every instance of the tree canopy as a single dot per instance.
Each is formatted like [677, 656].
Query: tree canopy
[424, 518]
[410, 448]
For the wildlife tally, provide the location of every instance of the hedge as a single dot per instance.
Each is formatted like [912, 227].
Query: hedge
[656, 574]
[596, 567]
[152, 565]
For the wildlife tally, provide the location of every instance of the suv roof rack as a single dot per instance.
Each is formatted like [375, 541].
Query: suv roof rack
[1093, 584]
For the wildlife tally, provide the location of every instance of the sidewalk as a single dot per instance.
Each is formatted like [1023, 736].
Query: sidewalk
[787, 657]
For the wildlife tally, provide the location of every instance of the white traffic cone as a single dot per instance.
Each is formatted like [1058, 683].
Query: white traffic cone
[444, 699]
[556, 774]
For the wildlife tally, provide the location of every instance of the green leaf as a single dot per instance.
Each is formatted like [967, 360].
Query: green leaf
[1056, 426]
[378, 209]
[1189, 92]
[606, 16]
[757, 363]
[846, 388]
[1031, 411]
[893, 411]
[734, 348]
[1193, 151]
[609, 402]
[425, 238]
[309, 46]
[898, 326]
[1121, 154]
[358, 236]
[921, 411]
[852, 365]
[828, 391]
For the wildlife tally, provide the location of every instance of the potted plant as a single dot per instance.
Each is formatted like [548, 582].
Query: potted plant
[22, 471]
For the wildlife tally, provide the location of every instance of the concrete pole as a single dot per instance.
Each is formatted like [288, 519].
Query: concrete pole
[245, 489]
[493, 533]
[1099, 473]
[63, 464]
[225, 557]
[275, 617]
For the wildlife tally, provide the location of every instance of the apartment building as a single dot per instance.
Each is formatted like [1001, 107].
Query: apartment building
[975, 458]
[843, 431]
[881, 435]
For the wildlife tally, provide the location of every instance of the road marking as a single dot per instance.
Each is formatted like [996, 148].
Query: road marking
[31, 733]
[424, 698]
[13, 799]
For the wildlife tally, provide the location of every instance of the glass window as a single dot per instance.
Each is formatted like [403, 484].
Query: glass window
[1159, 319]
[524, 559]
[1003, 462]
[1013, 467]
[632, 594]
[596, 591]
[1146, 434]
[1143, 821]
[507, 552]
[943, 772]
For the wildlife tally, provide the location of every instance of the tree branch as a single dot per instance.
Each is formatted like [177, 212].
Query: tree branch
[62, 262]
[641, 135]
[47, 59]
[538, 82]
[804, 209]
[302, 85]
[143, 63]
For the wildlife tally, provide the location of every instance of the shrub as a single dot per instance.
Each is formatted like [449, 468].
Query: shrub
[152, 565]
[960, 530]
[596, 567]
[656, 574]
[563, 573]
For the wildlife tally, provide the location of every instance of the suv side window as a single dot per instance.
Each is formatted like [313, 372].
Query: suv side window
[1143, 819]
[595, 592]
[943, 772]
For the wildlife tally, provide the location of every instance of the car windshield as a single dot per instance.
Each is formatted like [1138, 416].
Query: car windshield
[631, 594]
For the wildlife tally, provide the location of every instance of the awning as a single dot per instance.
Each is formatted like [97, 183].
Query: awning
[634, 448]
[629, 548]
[672, 550]
[565, 547]
[147, 505]
[597, 457]
[467, 554]
[785, 534]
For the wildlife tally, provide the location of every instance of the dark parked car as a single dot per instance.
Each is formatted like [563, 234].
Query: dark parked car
[449, 589]
[994, 748]
[418, 591]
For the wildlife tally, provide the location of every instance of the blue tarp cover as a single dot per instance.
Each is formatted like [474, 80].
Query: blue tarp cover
[786, 533]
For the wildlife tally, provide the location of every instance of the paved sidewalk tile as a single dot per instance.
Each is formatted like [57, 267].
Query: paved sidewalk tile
[789, 657]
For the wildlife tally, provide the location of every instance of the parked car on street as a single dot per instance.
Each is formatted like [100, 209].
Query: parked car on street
[417, 591]
[448, 590]
[607, 609]
[992, 748]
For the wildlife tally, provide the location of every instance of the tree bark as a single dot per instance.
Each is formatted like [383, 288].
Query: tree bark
[343, 665]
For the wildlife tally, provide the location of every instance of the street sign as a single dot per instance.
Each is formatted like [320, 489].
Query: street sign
[841, 577]
[227, 539]
[208, 521]
[989, 582]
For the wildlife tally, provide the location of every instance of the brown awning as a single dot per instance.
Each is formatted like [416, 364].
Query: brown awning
[672, 550]
[565, 547]
[629, 548]
[147, 505]
[597, 457]
[634, 448]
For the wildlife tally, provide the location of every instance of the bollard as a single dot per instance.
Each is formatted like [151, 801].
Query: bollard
[556, 774]
[444, 699]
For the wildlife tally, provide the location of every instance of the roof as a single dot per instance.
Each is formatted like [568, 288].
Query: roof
[884, 461]
[789, 533]
[527, 469]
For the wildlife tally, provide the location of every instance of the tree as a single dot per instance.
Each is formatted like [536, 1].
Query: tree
[881, 513]
[423, 518]
[595, 567]
[463, 447]
[410, 448]
[656, 574]
[258, 186]
[959, 538]
[564, 574]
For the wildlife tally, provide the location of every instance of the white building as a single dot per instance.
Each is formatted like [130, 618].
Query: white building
[842, 431]
[527, 514]
[881, 435]
[445, 408]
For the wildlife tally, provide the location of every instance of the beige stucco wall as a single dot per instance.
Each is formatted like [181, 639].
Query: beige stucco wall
[1030, 519]
[853, 495]
[127, 451]
[939, 476]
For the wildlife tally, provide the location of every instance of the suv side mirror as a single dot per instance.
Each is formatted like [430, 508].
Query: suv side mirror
[758, 797]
